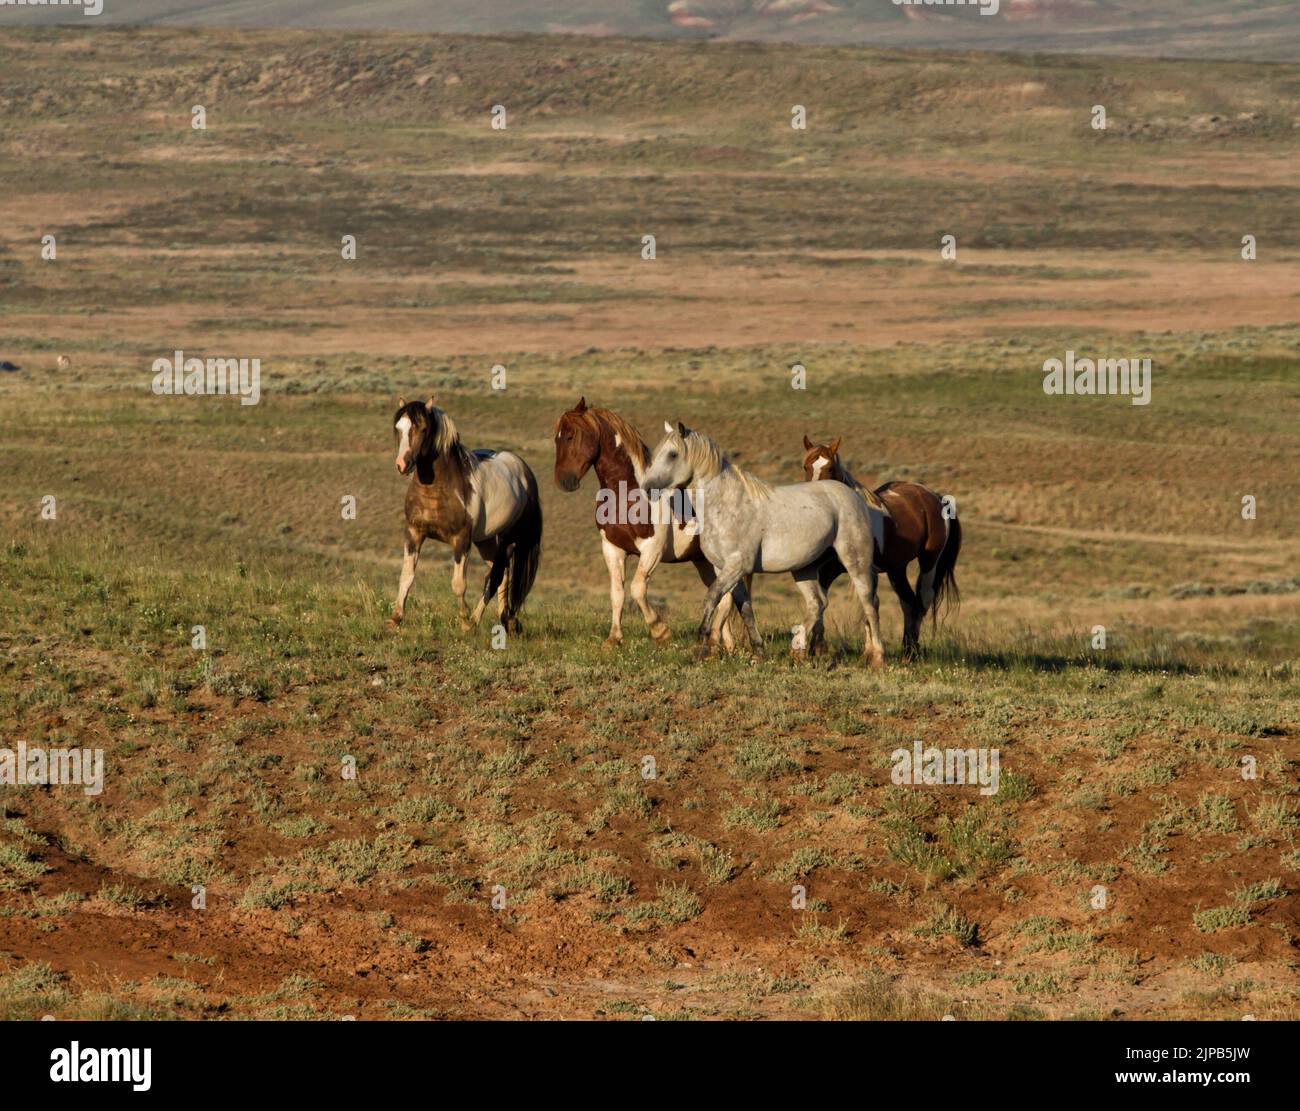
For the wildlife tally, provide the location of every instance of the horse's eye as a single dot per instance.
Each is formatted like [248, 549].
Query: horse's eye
[672, 455]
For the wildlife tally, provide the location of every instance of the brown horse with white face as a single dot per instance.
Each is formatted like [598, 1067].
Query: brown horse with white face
[483, 499]
[588, 437]
[916, 528]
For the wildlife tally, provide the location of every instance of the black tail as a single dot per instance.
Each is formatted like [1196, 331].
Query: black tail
[525, 548]
[945, 572]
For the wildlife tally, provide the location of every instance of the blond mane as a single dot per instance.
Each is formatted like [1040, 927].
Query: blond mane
[447, 445]
[708, 460]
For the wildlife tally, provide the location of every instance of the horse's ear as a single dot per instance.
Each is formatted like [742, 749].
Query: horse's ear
[668, 428]
[807, 443]
[682, 430]
[401, 402]
[581, 407]
[430, 404]
[835, 446]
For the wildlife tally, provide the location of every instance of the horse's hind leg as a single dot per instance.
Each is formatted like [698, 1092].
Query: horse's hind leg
[410, 557]
[504, 616]
[814, 610]
[910, 604]
[928, 560]
[497, 557]
[925, 585]
[865, 580]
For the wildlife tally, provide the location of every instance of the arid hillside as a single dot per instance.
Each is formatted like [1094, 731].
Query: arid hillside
[1256, 30]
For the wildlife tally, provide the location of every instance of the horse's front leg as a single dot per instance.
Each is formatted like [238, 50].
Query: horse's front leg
[616, 563]
[707, 575]
[410, 557]
[648, 556]
[723, 584]
[459, 565]
[742, 599]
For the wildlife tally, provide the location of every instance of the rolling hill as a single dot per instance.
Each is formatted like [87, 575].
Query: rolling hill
[1261, 30]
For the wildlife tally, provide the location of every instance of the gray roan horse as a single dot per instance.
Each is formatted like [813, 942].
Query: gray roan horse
[747, 525]
[487, 499]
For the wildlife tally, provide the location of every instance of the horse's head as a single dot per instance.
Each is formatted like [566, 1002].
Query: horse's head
[670, 465]
[821, 460]
[415, 425]
[577, 445]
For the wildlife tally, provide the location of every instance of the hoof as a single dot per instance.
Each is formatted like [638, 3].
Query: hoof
[660, 633]
[800, 654]
[395, 621]
[612, 641]
[876, 663]
[466, 625]
[704, 651]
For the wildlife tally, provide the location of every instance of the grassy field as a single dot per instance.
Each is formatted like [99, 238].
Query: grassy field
[520, 769]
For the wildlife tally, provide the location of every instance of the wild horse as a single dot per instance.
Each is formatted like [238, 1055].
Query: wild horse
[916, 528]
[486, 499]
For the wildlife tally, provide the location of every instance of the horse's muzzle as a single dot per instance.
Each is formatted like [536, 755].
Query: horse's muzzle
[403, 465]
[567, 482]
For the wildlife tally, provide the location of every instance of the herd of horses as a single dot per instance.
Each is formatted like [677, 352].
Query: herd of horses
[683, 502]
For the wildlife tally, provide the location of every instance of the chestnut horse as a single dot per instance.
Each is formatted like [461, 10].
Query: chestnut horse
[488, 499]
[916, 528]
[587, 437]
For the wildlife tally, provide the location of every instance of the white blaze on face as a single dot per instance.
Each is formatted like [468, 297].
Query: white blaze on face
[820, 465]
[404, 447]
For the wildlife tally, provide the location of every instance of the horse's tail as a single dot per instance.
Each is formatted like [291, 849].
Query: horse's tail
[945, 572]
[525, 546]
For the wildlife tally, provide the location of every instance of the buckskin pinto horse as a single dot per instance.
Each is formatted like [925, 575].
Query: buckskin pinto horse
[915, 529]
[589, 437]
[747, 525]
[487, 499]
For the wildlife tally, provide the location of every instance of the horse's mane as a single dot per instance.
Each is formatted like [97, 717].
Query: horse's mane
[708, 460]
[870, 496]
[446, 445]
[848, 479]
[628, 437]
